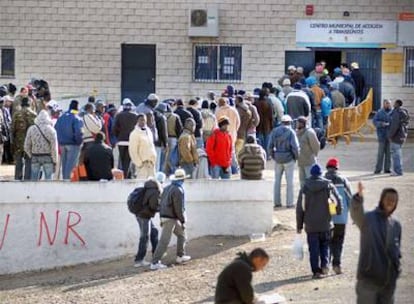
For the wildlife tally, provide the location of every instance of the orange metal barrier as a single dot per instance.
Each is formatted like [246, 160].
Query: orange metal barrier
[347, 121]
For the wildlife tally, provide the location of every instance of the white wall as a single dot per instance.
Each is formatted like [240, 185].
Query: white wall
[93, 222]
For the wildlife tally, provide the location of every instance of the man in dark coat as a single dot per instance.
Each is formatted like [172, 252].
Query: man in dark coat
[198, 132]
[359, 81]
[161, 143]
[182, 112]
[379, 257]
[234, 284]
[99, 160]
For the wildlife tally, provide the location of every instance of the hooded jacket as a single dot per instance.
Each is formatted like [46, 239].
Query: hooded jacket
[234, 282]
[245, 118]
[35, 143]
[99, 161]
[152, 196]
[198, 120]
[234, 118]
[312, 208]
[187, 147]
[399, 123]
[379, 258]
[252, 161]
[283, 145]
[218, 149]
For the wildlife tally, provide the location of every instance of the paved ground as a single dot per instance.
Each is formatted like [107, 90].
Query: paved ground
[118, 282]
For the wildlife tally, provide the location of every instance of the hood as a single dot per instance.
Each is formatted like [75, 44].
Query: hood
[43, 118]
[245, 258]
[152, 184]
[316, 183]
[253, 148]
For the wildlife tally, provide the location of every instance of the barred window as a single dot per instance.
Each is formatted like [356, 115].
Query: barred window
[7, 62]
[216, 63]
[409, 66]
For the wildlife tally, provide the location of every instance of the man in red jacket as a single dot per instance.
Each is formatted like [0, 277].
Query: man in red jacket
[219, 146]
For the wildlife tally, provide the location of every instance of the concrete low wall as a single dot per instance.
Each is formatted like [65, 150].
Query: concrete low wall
[50, 224]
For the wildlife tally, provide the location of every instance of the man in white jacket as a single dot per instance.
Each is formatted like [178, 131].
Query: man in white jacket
[141, 149]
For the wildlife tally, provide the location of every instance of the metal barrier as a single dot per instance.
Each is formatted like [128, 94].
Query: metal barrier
[347, 121]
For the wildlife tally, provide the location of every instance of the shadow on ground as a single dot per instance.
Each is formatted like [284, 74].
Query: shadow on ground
[79, 276]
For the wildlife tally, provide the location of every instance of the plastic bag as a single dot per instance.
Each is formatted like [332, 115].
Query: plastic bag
[298, 247]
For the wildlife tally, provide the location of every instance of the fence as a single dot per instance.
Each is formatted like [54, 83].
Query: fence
[345, 122]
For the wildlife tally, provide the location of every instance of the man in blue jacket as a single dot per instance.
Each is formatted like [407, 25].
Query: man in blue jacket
[379, 257]
[69, 133]
[382, 120]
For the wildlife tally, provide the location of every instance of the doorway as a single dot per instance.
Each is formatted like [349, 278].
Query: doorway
[333, 59]
[138, 71]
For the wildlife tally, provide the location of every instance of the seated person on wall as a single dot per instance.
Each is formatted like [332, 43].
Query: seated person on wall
[252, 160]
[99, 159]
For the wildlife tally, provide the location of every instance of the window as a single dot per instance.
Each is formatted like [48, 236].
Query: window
[7, 62]
[216, 63]
[409, 66]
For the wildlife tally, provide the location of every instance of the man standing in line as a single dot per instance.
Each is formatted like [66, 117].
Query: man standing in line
[252, 160]
[309, 148]
[173, 220]
[187, 148]
[284, 149]
[382, 121]
[198, 132]
[99, 159]
[142, 149]
[397, 135]
[379, 263]
[314, 213]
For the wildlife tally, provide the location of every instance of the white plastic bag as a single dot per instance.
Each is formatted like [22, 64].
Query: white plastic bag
[298, 247]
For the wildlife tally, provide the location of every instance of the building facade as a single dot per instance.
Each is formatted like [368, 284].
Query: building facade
[129, 48]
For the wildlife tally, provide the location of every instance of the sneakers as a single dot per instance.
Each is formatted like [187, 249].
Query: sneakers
[337, 269]
[141, 263]
[158, 266]
[183, 259]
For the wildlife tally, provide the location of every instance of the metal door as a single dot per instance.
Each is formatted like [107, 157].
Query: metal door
[369, 61]
[138, 71]
[305, 59]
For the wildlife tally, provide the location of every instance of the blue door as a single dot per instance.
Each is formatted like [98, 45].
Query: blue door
[138, 71]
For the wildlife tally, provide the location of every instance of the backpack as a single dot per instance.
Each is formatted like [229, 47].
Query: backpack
[326, 106]
[320, 133]
[135, 200]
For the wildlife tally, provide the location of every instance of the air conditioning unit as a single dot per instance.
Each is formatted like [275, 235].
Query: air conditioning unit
[203, 22]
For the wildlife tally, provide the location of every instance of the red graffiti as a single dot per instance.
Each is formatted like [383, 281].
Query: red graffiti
[6, 225]
[69, 227]
[43, 222]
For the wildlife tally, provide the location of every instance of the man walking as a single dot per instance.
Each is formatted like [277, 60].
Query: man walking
[173, 220]
[397, 135]
[379, 259]
[382, 121]
[312, 210]
[284, 149]
[142, 149]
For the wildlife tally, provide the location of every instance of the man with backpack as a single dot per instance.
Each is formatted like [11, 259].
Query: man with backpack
[173, 220]
[397, 135]
[144, 202]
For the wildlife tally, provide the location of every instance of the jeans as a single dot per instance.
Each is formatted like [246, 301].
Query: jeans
[199, 142]
[234, 164]
[317, 121]
[263, 139]
[189, 169]
[383, 156]
[369, 293]
[289, 170]
[170, 226]
[160, 161]
[44, 162]
[396, 154]
[69, 159]
[22, 162]
[125, 160]
[336, 243]
[218, 172]
[318, 243]
[148, 232]
[172, 142]
[304, 173]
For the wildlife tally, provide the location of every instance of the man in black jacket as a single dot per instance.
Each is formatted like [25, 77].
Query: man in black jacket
[198, 133]
[99, 160]
[148, 231]
[161, 143]
[234, 282]
[182, 112]
[379, 257]
[173, 219]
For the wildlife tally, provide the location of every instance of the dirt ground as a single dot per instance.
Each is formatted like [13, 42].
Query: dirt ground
[119, 282]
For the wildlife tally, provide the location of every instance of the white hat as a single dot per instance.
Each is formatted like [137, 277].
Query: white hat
[179, 174]
[286, 118]
[160, 177]
[127, 101]
[291, 67]
[355, 65]
[286, 82]
[152, 96]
